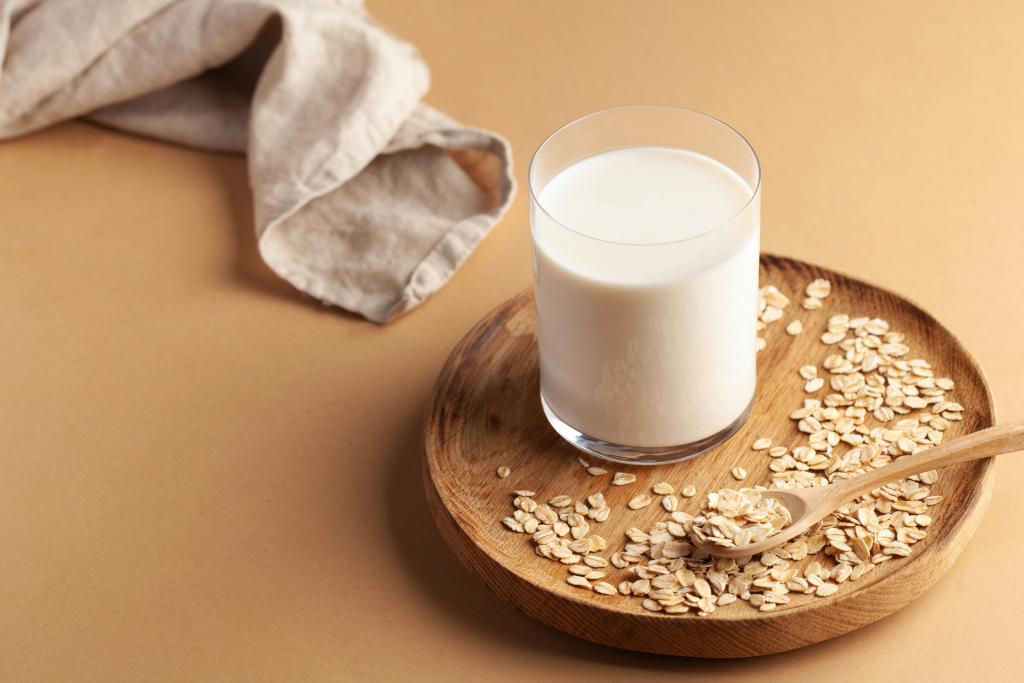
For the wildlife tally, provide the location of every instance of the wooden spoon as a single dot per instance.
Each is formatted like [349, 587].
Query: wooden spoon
[807, 506]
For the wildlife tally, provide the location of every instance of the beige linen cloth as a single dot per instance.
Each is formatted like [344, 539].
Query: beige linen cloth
[359, 200]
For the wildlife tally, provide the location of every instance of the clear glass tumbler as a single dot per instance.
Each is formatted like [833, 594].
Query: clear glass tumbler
[646, 226]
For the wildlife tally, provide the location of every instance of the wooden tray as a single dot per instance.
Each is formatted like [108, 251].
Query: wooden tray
[486, 412]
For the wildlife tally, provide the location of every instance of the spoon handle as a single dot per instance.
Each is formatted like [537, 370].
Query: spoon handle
[1003, 438]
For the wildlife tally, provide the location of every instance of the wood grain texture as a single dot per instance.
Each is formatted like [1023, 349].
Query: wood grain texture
[486, 413]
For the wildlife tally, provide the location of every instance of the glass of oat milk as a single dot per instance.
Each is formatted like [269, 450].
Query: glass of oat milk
[646, 223]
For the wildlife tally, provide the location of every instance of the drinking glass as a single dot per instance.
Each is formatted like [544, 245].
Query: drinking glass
[646, 315]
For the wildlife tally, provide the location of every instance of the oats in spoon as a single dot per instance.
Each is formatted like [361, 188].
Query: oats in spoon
[731, 518]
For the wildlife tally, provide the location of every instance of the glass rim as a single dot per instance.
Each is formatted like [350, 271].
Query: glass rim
[681, 110]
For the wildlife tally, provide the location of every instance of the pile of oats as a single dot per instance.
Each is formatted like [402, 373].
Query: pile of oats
[560, 530]
[730, 518]
[866, 403]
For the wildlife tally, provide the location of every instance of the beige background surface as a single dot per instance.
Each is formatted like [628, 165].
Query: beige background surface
[206, 476]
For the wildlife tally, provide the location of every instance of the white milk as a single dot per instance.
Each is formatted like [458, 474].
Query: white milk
[646, 268]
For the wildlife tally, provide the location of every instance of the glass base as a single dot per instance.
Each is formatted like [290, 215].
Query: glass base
[638, 455]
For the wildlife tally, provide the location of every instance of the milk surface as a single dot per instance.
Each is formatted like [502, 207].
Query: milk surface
[646, 282]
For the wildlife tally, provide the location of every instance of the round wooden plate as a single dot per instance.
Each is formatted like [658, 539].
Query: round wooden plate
[486, 412]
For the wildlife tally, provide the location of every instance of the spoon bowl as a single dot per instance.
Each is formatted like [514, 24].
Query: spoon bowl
[799, 503]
